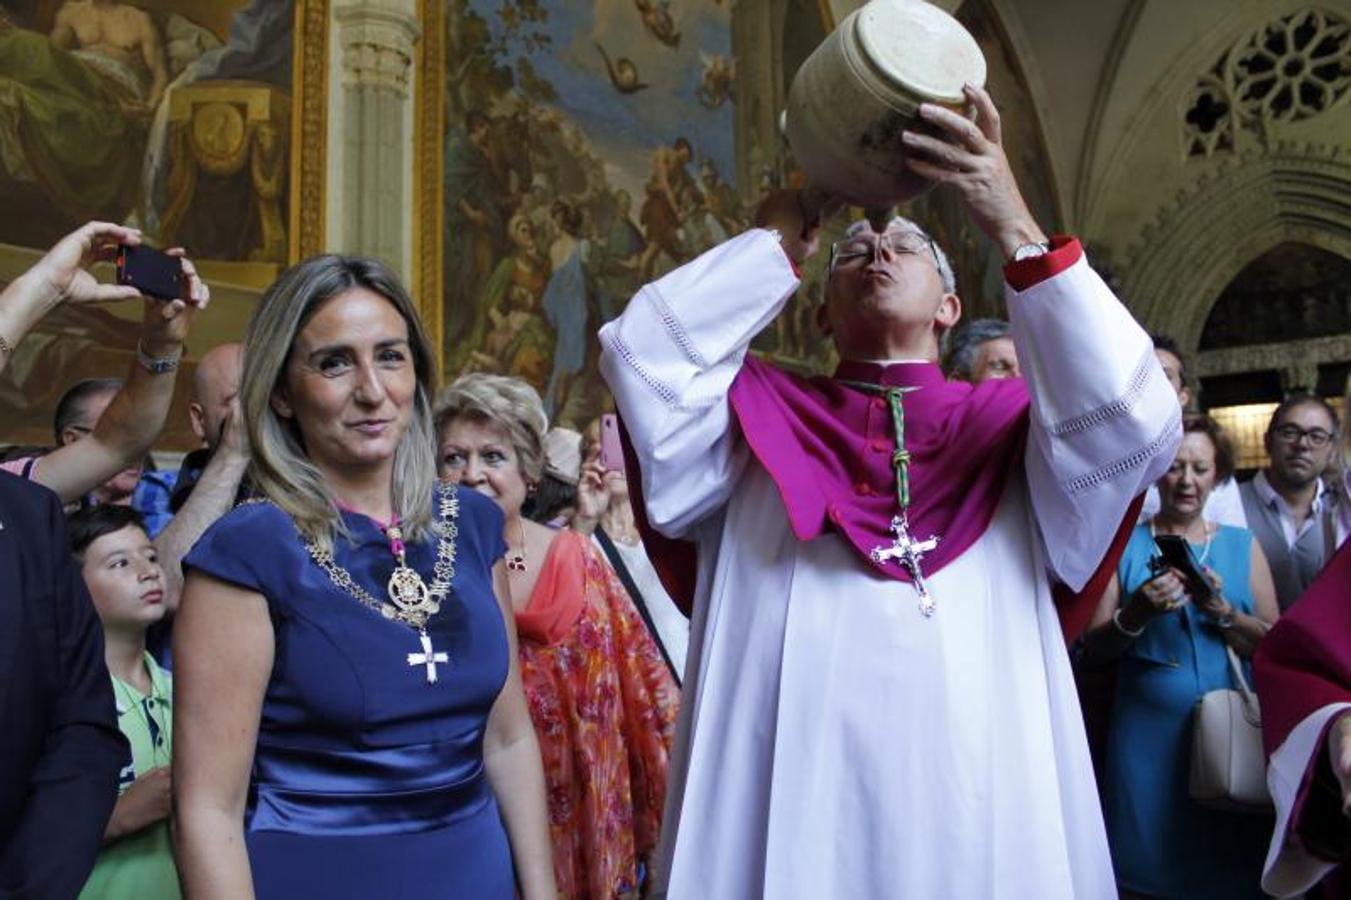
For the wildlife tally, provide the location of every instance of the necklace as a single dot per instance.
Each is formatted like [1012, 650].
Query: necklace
[516, 562]
[904, 549]
[411, 601]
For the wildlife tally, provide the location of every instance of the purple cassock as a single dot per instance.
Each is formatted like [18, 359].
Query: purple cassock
[828, 447]
[1303, 666]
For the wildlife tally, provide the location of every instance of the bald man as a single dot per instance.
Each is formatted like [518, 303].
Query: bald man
[214, 388]
[209, 483]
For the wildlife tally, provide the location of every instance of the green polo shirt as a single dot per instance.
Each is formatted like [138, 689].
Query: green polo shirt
[140, 866]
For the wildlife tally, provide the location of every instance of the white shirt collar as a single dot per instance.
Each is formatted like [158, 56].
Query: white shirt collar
[1276, 501]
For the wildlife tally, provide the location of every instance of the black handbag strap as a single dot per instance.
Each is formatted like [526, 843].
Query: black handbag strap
[639, 603]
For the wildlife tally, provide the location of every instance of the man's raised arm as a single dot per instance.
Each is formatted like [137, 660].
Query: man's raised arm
[1105, 421]
[670, 360]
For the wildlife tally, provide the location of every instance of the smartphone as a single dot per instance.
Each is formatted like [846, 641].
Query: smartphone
[611, 450]
[151, 272]
[1178, 555]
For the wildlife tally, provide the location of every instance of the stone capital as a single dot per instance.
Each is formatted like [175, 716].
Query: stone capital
[377, 39]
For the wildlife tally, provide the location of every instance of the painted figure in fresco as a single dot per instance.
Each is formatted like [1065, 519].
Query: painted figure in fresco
[621, 256]
[118, 32]
[721, 198]
[74, 105]
[623, 73]
[714, 213]
[671, 193]
[571, 303]
[657, 19]
[512, 336]
[716, 79]
[475, 224]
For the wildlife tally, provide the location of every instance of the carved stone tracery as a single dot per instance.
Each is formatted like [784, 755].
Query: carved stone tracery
[1289, 69]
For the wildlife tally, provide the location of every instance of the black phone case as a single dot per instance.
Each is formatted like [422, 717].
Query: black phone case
[1177, 554]
[151, 272]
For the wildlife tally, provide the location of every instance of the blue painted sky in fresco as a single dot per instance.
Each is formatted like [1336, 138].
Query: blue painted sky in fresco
[624, 128]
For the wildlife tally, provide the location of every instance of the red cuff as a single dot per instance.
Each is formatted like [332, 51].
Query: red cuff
[797, 271]
[1025, 273]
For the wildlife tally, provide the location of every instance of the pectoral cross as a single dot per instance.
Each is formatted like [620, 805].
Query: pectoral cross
[908, 552]
[428, 657]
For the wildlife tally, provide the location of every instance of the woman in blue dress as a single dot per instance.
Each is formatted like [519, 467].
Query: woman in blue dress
[1169, 652]
[351, 721]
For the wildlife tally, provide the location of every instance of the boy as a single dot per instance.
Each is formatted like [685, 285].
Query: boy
[126, 584]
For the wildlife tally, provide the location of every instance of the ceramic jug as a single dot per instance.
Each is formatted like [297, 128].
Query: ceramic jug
[862, 87]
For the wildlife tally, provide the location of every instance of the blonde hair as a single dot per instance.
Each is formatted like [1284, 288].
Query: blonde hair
[510, 404]
[280, 468]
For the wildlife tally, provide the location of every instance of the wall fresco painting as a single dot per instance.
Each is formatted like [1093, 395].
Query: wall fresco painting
[169, 115]
[589, 148]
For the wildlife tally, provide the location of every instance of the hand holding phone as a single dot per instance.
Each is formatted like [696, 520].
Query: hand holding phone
[151, 272]
[611, 448]
[1178, 555]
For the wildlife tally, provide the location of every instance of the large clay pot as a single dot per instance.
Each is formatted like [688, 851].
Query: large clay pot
[862, 87]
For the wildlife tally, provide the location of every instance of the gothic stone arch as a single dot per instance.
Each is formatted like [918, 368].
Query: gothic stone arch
[1184, 260]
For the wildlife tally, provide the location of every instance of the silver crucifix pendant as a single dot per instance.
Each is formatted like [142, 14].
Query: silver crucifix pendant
[908, 552]
[428, 657]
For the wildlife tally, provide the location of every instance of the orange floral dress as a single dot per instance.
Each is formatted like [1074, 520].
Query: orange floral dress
[604, 707]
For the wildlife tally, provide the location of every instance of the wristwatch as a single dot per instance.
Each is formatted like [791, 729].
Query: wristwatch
[1028, 251]
[161, 366]
[1225, 619]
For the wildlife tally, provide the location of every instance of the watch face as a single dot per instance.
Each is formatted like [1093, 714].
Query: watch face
[1028, 251]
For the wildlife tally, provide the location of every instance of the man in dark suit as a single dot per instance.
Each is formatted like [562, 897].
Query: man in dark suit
[60, 750]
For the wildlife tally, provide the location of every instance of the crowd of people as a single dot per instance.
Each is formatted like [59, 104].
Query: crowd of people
[796, 637]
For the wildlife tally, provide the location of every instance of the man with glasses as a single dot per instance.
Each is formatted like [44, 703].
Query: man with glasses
[878, 700]
[1287, 508]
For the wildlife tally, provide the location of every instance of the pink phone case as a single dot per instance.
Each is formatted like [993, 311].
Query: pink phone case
[611, 451]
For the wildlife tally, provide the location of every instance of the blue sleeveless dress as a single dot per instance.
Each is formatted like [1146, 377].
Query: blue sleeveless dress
[1163, 843]
[367, 780]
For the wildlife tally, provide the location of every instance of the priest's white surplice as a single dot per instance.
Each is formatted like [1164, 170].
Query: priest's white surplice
[833, 742]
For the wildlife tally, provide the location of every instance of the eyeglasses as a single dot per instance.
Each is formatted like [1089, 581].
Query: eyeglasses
[1291, 434]
[844, 254]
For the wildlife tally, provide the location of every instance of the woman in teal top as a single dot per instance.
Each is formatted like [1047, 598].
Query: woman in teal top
[1169, 652]
[120, 568]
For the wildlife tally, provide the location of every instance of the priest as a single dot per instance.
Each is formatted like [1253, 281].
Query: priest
[1303, 674]
[878, 699]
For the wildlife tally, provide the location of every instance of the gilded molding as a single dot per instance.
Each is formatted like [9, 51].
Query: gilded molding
[429, 127]
[309, 128]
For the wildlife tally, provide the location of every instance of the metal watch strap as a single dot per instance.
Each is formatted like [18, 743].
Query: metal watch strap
[161, 366]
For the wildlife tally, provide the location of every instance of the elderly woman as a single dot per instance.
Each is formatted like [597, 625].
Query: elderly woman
[603, 701]
[1170, 652]
[350, 718]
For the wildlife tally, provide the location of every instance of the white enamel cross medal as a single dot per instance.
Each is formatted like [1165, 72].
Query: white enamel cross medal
[908, 552]
[428, 657]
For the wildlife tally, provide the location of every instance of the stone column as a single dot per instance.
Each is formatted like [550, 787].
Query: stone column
[372, 190]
